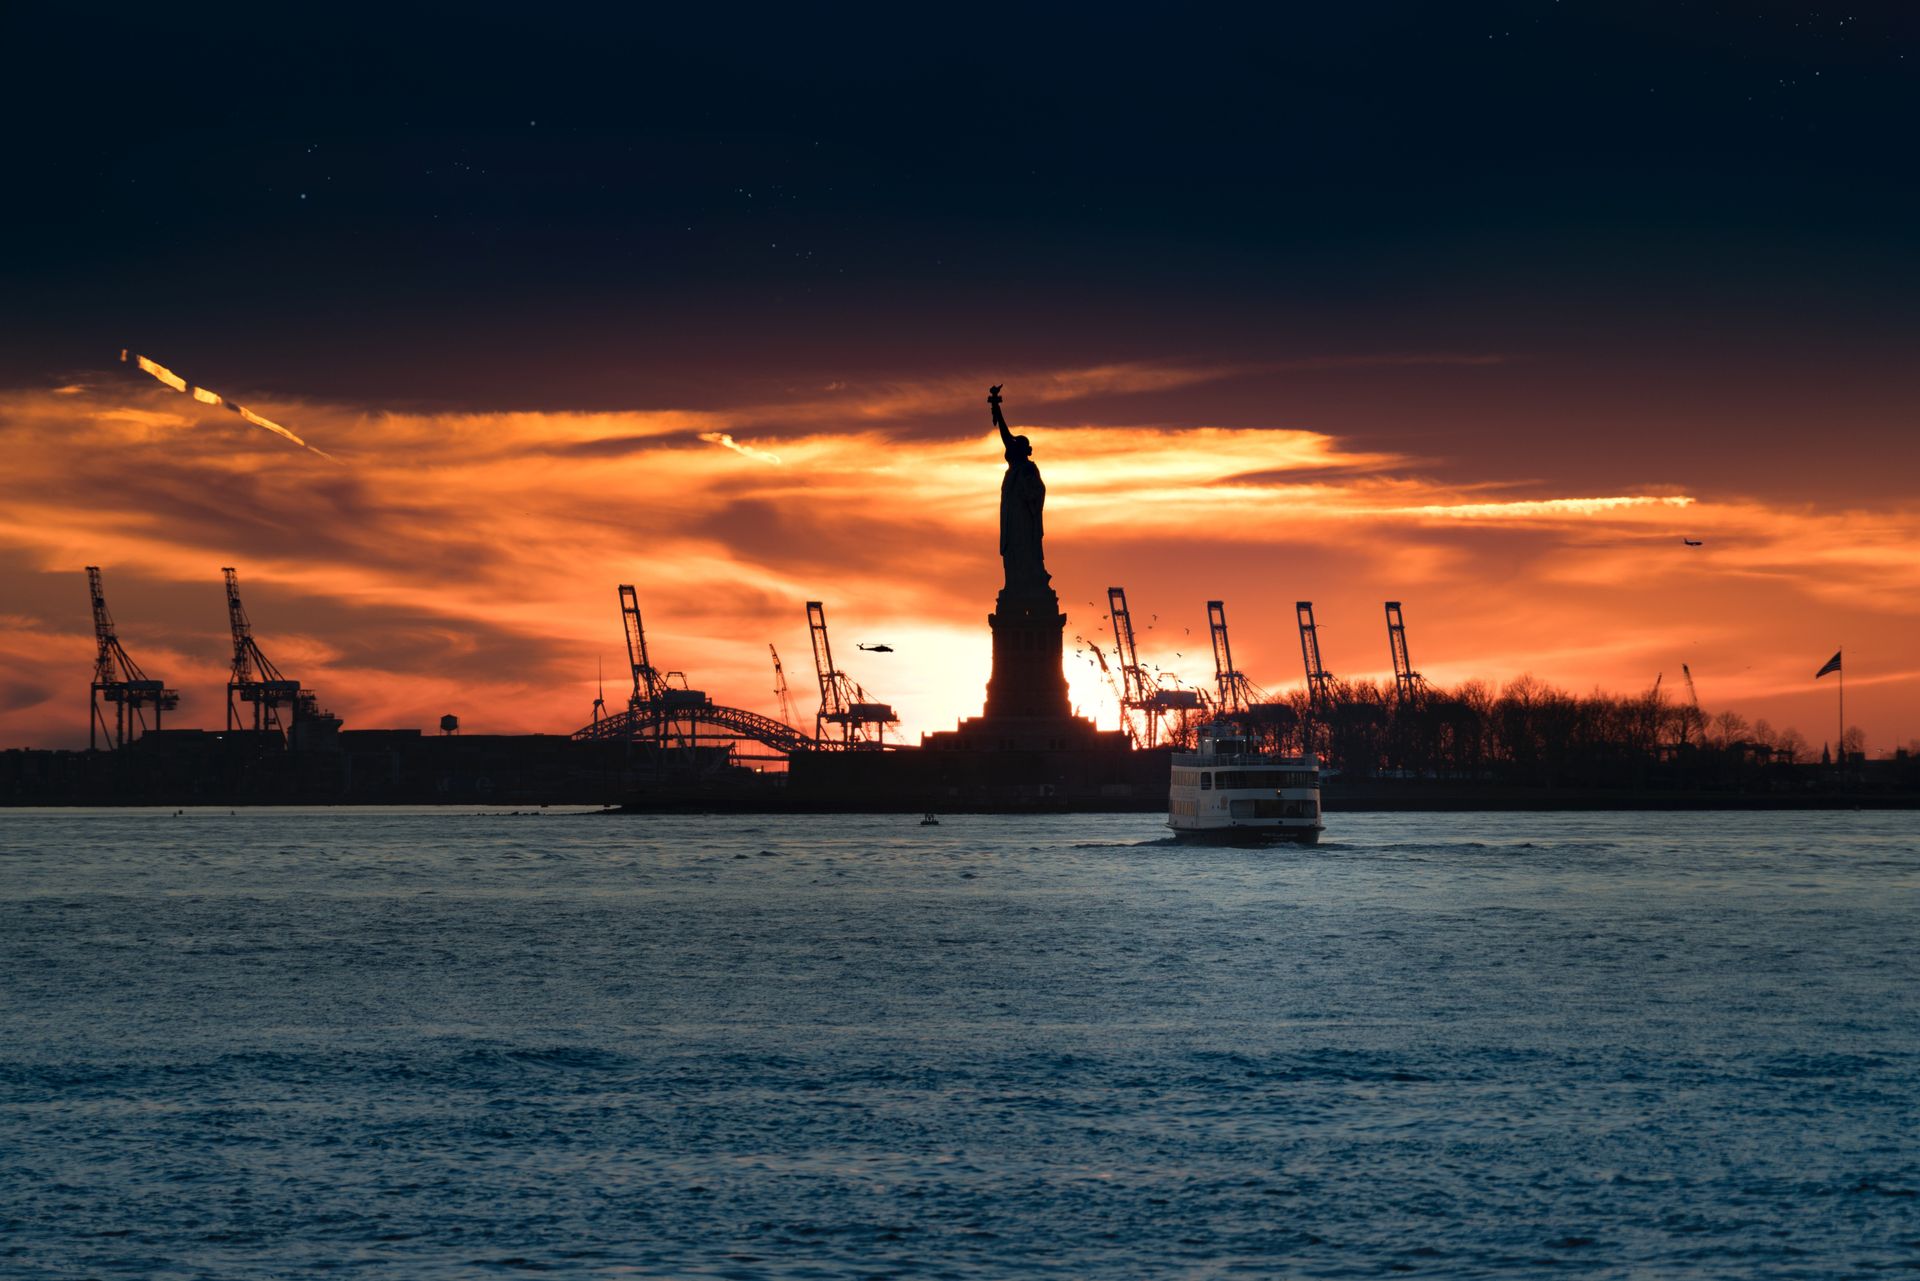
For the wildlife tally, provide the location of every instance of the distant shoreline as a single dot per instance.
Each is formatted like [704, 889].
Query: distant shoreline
[1542, 800]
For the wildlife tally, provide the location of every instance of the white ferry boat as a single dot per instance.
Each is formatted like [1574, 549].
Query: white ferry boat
[1224, 792]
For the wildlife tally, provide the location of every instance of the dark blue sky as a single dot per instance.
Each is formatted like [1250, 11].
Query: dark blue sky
[548, 211]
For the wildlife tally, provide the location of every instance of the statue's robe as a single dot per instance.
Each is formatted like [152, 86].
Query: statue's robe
[1022, 497]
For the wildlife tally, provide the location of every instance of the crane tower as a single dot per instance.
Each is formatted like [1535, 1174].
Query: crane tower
[862, 722]
[118, 680]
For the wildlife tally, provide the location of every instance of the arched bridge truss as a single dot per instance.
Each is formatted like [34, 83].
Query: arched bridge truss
[680, 725]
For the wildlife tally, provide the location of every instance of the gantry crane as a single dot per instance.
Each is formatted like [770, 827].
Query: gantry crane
[1319, 679]
[118, 680]
[681, 727]
[1240, 699]
[1133, 680]
[1141, 692]
[1236, 693]
[659, 702]
[255, 680]
[1406, 681]
[862, 723]
[648, 684]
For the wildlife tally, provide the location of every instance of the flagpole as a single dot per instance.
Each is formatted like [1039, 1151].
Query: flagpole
[1841, 654]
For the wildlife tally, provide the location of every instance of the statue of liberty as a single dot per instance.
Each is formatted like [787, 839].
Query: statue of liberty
[1022, 496]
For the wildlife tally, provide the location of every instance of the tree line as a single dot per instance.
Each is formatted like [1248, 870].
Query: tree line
[1528, 732]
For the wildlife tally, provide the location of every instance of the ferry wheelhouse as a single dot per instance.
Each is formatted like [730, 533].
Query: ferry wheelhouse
[1223, 791]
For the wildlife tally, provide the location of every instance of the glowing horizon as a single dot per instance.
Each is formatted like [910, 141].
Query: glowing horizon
[466, 562]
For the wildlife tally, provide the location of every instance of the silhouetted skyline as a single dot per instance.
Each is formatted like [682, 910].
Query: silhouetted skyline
[1408, 268]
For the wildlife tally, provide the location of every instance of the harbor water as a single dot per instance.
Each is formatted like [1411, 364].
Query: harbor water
[438, 1044]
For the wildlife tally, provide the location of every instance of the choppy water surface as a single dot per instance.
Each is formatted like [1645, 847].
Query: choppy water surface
[429, 1044]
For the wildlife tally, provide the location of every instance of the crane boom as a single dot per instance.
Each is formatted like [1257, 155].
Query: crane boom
[1406, 681]
[780, 691]
[1318, 678]
[103, 634]
[647, 682]
[831, 703]
[1228, 681]
[1123, 643]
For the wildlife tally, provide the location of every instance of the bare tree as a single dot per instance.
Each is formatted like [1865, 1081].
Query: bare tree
[1729, 728]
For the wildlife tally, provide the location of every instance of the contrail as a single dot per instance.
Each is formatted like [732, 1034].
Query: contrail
[722, 438]
[1530, 507]
[206, 397]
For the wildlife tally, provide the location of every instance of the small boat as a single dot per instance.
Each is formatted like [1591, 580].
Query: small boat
[929, 821]
[1224, 791]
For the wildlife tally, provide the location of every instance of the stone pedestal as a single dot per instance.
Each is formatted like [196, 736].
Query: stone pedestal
[1028, 712]
[1028, 682]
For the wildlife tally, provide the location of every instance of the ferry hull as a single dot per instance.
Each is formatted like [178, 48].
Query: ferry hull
[1247, 835]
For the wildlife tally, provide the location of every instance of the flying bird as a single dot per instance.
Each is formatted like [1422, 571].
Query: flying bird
[876, 649]
[1693, 542]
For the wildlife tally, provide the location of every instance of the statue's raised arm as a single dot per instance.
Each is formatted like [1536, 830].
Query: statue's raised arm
[999, 419]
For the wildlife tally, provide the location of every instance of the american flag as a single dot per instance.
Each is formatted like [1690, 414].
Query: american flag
[1833, 665]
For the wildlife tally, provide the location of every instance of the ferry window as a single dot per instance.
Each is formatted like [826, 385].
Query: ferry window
[1275, 778]
[1206, 781]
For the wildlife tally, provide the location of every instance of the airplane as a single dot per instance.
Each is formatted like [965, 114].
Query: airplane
[876, 649]
[1693, 542]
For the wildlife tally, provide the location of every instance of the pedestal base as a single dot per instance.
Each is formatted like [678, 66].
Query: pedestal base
[1027, 705]
[1028, 682]
[1025, 734]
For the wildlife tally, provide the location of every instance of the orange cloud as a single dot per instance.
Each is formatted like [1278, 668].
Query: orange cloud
[466, 562]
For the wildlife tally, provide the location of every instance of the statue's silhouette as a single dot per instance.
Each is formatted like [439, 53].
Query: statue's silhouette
[1028, 707]
[1023, 497]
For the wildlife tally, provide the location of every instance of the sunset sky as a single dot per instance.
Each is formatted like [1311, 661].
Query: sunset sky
[1481, 308]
